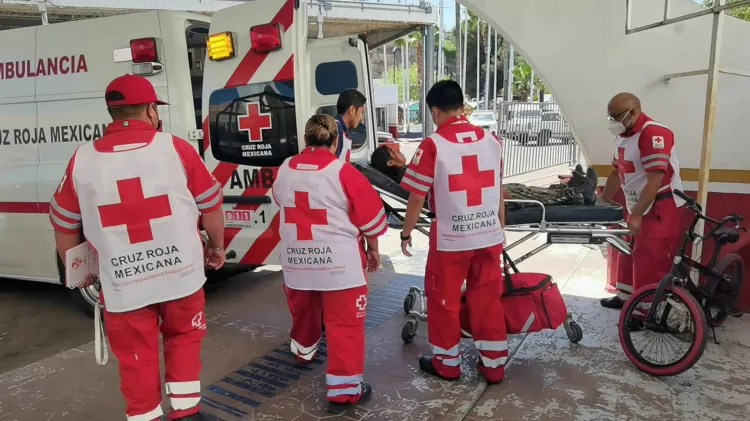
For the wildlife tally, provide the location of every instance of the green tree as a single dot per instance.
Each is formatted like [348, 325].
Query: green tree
[522, 78]
[397, 72]
[739, 12]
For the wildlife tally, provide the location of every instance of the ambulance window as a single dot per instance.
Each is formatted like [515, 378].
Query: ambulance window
[254, 124]
[335, 77]
[358, 135]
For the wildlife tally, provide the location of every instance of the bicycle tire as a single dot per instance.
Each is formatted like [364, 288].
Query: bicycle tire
[697, 346]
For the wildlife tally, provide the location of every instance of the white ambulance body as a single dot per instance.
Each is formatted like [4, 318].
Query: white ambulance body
[52, 82]
[292, 60]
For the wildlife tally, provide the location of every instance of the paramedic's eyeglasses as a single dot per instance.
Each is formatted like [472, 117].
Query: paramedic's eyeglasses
[611, 117]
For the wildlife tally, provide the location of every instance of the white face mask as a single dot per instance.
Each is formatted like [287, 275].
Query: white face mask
[616, 128]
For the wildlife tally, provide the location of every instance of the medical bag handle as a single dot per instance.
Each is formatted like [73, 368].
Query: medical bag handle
[507, 265]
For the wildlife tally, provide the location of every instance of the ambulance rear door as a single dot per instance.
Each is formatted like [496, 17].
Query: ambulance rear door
[335, 65]
[250, 95]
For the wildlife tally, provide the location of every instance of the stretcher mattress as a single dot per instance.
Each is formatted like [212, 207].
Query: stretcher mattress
[561, 214]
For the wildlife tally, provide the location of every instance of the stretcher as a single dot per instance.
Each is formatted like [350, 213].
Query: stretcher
[562, 224]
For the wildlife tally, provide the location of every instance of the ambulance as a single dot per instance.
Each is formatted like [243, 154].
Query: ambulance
[241, 84]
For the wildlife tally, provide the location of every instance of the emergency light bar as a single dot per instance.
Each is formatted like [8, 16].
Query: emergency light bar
[265, 38]
[143, 50]
[220, 46]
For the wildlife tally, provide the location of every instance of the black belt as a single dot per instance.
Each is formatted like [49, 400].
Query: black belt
[663, 195]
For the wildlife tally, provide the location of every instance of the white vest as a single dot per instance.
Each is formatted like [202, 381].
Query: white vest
[634, 182]
[319, 247]
[346, 148]
[143, 221]
[467, 206]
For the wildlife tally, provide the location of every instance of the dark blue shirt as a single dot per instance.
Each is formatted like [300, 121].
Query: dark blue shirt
[343, 130]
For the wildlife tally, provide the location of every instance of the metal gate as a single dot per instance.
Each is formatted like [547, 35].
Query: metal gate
[537, 136]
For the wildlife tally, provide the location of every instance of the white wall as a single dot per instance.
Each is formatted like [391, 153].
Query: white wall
[580, 50]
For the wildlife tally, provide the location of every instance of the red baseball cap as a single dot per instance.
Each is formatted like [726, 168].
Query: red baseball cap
[131, 90]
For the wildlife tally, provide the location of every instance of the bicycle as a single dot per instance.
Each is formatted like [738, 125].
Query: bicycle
[707, 302]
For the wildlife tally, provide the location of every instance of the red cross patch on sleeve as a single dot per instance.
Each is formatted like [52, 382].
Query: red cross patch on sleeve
[657, 142]
[417, 156]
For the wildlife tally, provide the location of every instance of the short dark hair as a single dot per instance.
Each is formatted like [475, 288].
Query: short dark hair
[446, 95]
[379, 161]
[127, 112]
[350, 98]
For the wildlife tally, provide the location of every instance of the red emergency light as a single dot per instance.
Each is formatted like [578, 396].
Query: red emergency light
[143, 50]
[265, 38]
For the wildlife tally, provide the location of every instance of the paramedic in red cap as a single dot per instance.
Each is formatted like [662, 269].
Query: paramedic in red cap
[645, 166]
[138, 195]
[326, 207]
[461, 168]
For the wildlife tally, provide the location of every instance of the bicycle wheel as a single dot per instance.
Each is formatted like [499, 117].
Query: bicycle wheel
[686, 338]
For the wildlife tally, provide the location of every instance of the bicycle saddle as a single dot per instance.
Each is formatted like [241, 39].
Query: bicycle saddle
[726, 235]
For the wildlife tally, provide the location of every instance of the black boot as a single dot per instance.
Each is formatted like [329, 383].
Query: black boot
[589, 189]
[611, 302]
[426, 365]
[340, 408]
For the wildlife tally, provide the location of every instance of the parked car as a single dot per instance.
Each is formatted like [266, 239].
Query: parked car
[485, 119]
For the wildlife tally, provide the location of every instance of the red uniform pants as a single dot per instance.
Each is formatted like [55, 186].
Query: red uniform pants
[134, 339]
[444, 276]
[653, 249]
[343, 313]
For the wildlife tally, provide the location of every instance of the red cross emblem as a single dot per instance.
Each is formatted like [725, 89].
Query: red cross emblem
[472, 180]
[134, 210]
[625, 167]
[254, 122]
[361, 303]
[303, 216]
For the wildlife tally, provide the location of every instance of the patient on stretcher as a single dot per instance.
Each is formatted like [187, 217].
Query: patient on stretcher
[578, 189]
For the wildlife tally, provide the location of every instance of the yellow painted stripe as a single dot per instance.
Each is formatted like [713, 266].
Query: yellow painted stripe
[691, 174]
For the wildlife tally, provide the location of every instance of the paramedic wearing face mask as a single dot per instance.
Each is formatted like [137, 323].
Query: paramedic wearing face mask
[326, 207]
[351, 109]
[460, 166]
[138, 195]
[645, 165]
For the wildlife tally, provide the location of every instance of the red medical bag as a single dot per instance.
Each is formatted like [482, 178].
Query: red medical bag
[532, 302]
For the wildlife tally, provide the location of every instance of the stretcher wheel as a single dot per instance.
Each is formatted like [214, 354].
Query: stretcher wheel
[574, 332]
[409, 331]
[409, 301]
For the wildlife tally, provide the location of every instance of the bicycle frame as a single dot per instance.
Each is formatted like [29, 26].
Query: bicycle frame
[682, 265]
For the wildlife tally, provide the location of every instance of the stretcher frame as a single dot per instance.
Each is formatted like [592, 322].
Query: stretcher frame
[557, 233]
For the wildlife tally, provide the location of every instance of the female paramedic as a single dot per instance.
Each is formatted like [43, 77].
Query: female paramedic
[327, 207]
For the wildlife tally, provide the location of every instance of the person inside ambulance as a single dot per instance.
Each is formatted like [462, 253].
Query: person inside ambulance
[645, 165]
[326, 207]
[460, 166]
[138, 194]
[351, 109]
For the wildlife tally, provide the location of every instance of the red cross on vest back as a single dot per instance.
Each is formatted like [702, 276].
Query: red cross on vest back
[472, 180]
[254, 122]
[134, 210]
[303, 216]
[626, 167]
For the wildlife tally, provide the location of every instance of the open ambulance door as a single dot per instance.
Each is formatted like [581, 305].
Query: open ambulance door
[250, 101]
[335, 65]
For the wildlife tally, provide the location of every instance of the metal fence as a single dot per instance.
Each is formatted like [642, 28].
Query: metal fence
[537, 136]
